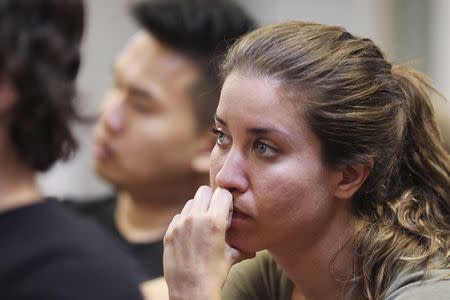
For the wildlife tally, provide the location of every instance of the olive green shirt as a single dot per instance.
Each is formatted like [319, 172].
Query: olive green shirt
[263, 278]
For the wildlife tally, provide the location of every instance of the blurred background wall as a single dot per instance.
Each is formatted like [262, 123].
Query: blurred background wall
[411, 31]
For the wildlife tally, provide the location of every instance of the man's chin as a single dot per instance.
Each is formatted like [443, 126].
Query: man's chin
[107, 175]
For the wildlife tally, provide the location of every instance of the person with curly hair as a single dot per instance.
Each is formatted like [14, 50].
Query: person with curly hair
[329, 159]
[47, 252]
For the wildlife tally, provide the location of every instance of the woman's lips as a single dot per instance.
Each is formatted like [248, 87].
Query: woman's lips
[237, 216]
[240, 215]
[237, 211]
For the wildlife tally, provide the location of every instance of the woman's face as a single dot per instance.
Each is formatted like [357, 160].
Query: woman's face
[269, 159]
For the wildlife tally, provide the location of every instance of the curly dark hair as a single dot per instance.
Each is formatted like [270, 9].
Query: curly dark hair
[40, 53]
[202, 30]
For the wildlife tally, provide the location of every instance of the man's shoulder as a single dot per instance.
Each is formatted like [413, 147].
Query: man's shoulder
[90, 205]
[49, 229]
[55, 253]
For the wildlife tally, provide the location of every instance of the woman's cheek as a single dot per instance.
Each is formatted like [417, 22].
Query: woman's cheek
[215, 163]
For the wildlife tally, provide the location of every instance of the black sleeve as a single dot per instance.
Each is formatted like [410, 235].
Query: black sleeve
[74, 277]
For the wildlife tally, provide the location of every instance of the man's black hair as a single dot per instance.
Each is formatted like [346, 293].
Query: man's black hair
[201, 29]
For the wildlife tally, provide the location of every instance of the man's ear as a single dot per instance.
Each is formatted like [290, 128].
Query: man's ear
[200, 161]
[352, 178]
[8, 94]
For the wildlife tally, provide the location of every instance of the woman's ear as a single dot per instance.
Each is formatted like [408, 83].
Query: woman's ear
[200, 161]
[8, 95]
[353, 177]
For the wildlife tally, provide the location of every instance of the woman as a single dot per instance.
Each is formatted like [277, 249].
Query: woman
[328, 157]
[46, 252]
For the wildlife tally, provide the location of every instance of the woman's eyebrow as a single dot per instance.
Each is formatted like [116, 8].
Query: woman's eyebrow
[254, 130]
[267, 131]
[218, 119]
[258, 130]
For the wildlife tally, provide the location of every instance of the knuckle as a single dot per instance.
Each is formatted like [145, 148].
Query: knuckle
[212, 225]
[168, 239]
[177, 230]
[189, 222]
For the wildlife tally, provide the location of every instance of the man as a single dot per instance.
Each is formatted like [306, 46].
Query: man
[47, 252]
[153, 138]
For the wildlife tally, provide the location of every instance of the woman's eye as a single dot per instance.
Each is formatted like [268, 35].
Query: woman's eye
[261, 147]
[264, 149]
[221, 138]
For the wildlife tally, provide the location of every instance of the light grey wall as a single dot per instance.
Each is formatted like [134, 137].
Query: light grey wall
[440, 61]
[363, 17]
[407, 30]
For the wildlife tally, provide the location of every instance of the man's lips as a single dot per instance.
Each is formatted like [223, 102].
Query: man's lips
[102, 150]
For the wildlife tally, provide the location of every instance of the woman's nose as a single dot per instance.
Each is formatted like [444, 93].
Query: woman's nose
[232, 173]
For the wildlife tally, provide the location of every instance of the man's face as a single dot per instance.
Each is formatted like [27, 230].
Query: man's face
[147, 129]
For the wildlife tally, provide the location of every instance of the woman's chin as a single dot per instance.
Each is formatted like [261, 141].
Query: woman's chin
[242, 242]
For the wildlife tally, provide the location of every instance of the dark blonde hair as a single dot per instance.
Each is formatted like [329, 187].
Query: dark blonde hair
[364, 110]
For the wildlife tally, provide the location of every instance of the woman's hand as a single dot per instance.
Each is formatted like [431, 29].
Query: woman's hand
[196, 258]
